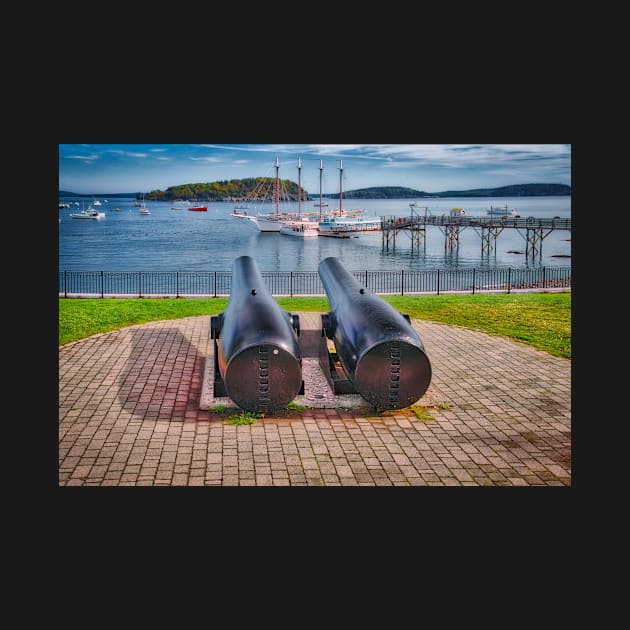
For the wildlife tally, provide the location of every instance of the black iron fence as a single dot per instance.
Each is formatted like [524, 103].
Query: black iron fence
[295, 283]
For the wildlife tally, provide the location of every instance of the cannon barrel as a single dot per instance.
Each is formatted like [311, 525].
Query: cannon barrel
[380, 353]
[256, 347]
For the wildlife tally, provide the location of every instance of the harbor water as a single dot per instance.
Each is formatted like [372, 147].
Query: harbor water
[181, 240]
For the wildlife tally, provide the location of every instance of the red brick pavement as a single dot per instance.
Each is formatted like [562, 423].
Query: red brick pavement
[129, 416]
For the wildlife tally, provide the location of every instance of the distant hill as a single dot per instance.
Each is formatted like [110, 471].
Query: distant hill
[66, 193]
[381, 192]
[397, 192]
[518, 190]
[239, 189]
[233, 189]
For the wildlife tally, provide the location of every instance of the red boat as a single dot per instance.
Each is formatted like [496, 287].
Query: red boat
[199, 208]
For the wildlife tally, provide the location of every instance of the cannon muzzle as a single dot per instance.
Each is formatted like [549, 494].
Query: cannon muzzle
[257, 357]
[379, 351]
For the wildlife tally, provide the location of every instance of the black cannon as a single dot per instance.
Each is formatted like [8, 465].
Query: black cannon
[380, 353]
[257, 360]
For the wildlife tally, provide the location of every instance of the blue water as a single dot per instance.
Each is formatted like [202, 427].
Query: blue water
[181, 240]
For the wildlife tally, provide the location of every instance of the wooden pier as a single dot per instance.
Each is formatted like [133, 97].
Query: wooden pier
[534, 230]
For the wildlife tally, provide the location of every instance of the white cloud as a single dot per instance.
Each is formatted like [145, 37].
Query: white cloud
[128, 153]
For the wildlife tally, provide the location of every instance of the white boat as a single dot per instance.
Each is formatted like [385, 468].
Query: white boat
[270, 221]
[301, 229]
[88, 213]
[143, 208]
[344, 226]
[342, 223]
[97, 203]
[502, 211]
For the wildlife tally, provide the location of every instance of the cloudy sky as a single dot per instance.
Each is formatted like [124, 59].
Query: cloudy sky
[117, 168]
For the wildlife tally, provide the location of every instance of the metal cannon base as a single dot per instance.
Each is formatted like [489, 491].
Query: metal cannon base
[334, 373]
[218, 383]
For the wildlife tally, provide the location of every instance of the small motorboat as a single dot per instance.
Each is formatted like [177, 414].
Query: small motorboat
[199, 208]
[88, 213]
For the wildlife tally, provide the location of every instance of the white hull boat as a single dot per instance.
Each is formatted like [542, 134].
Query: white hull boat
[263, 223]
[344, 226]
[270, 221]
[90, 213]
[301, 229]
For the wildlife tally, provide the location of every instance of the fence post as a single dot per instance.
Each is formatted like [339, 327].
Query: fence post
[474, 281]
[366, 279]
[438, 281]
[140, 284]
[543, 270]
[102, 292]
[65, 283]
[177, 284]
[291, 284]
[509, 278]
[215, 284]
[402, 282]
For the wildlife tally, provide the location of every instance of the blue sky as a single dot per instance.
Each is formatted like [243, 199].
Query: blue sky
[112, 168]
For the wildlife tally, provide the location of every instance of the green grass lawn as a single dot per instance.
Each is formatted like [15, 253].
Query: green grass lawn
[542, 320]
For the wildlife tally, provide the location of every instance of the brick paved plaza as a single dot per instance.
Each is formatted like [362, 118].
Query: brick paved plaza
[497, 413]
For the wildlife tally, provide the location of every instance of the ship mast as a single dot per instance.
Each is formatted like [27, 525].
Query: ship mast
[340, 185]
[321, 168]
[277, 187]
[299, 187]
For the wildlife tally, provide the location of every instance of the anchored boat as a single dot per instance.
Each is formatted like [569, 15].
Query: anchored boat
[88, 213]
[343, 223]
[301, 229]
[265, 191]
[502, 211]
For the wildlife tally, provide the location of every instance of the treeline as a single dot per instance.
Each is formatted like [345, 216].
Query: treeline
[381, 192]
[399, 192]
[518, 190]
[240, 189]
[232, 190]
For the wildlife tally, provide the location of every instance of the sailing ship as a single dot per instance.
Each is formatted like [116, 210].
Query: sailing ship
[143, 208]
[270, 221]
[300, 226]
[344, 223]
